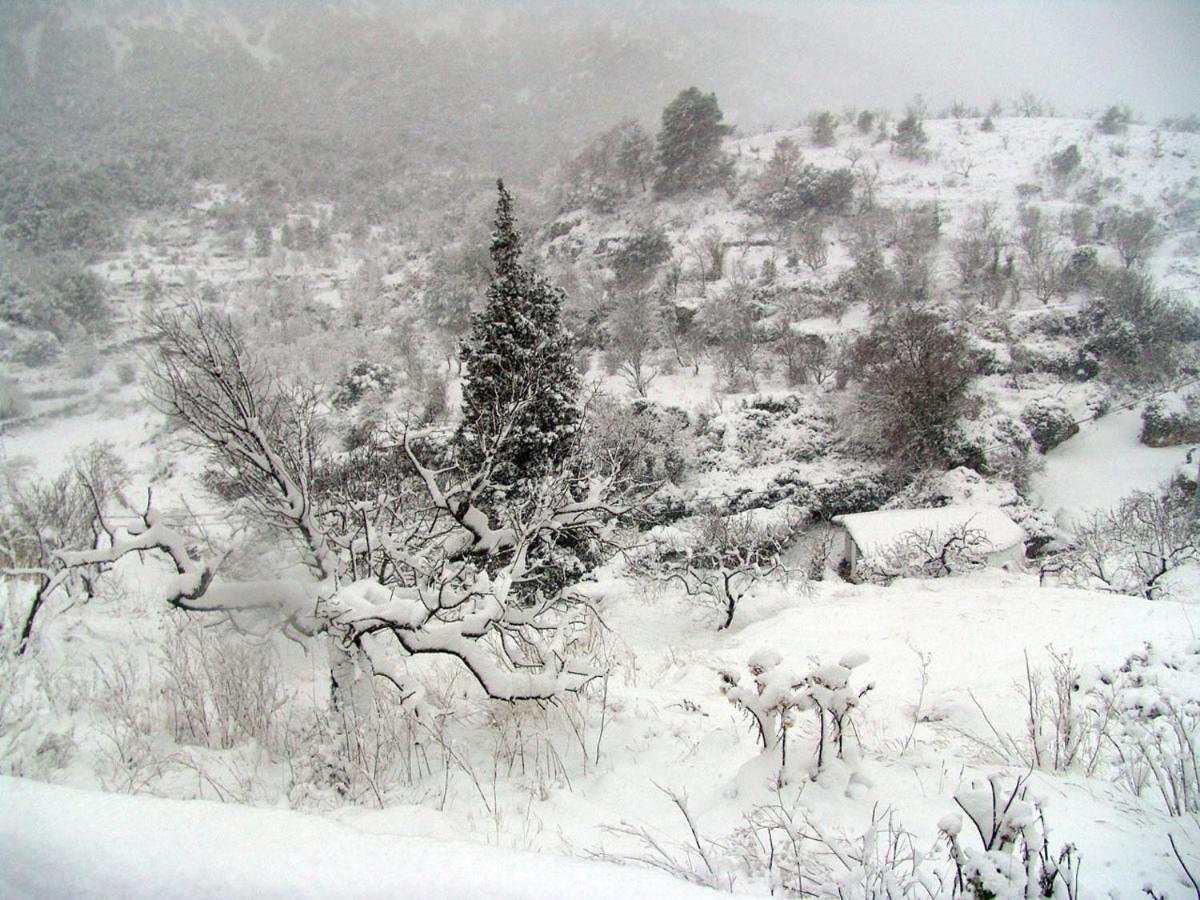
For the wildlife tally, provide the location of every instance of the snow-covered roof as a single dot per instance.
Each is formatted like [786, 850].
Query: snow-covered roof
[874, 531]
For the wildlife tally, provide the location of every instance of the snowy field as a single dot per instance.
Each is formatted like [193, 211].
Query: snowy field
[650, 783]
[1103, 463]
[921, 732]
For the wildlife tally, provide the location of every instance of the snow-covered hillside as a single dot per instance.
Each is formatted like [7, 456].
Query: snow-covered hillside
[1055, 685]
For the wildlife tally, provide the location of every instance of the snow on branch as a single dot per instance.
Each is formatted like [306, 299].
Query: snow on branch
[192, 577]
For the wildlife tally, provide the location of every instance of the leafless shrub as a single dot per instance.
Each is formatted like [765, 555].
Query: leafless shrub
[1156, 720]
[725, 558]
[222, 688]
[694, 858]
[127, 728]
[1132, 547]
[812, 247]
[924, 553]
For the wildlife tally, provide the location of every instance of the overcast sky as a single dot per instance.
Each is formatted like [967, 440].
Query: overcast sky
[1079, 54]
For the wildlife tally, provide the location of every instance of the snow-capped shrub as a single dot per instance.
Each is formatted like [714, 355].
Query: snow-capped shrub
[777, 696]
[635, 259]
[362, 379]
[1156, 698]
[1135, 722]
[1171, 421]
[1014, 860]
[999, 446]
[34, 349]
[808, 189]
[769, 429]
[856, 488]
[1057, 357]
[1049, 423]
[641, 442]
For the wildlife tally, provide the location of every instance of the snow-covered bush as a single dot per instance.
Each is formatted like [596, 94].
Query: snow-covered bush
[1137, 327]
[1167, 422]
[772, 428]
[789, 848]
[34, 349]
[1155, 701]
[777, 696]
[362, 379]
[1135, 723]
[999, 446]
[1066, 728]
[1049, 423]
[635, 259]
[1014, 860]
[853, 487]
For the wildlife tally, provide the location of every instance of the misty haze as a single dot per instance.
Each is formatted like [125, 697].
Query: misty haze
[600, 449]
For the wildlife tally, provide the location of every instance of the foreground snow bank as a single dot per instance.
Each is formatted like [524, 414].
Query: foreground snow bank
[61, 842]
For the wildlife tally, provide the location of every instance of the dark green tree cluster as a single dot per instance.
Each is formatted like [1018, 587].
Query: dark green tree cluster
[689, 153]
[910, 137]
[520, 411]
[790, 189]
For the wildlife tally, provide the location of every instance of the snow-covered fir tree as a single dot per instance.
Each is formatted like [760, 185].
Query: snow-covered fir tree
[520, 405]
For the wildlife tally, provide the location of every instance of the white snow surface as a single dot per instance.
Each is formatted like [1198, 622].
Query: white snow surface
[61, 842]
[1102, 464]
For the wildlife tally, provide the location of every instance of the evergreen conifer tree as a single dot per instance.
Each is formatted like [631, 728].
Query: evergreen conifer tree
[689, 145]
[520, 374]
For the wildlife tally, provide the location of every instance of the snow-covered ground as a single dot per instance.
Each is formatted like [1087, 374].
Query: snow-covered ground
[59, 842]
[665, 725]
[499, 783]
[1103, 463]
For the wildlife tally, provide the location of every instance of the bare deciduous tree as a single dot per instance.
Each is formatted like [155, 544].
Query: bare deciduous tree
[1134, 234]
[635, 332]
[728, 556]
[1132, 547]
[811, 245]
[437, 576]
[40, 520]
